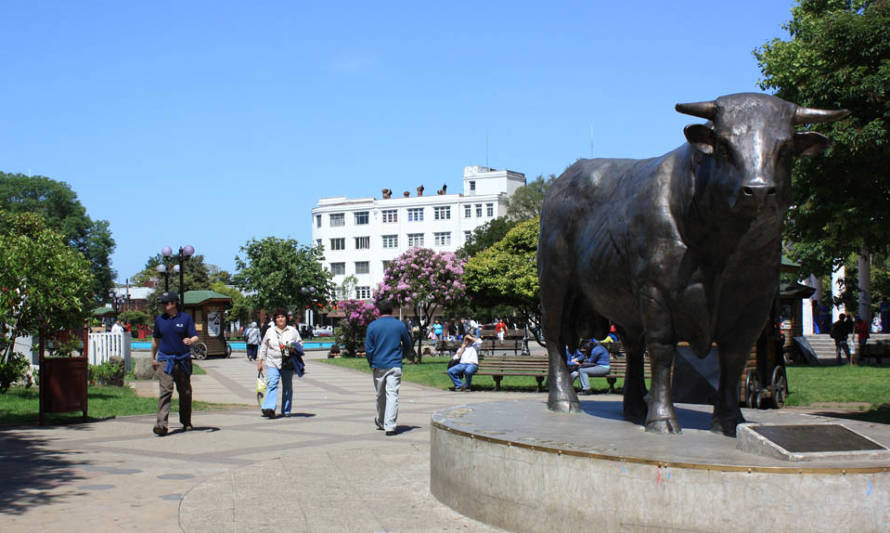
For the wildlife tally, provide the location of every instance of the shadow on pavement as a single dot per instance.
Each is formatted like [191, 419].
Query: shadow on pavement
[613, 410]
[29, 470]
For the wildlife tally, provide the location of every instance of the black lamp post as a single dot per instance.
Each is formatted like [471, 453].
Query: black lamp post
[184, 253]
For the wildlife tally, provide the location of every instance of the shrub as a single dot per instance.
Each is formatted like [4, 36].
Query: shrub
[15, 367]
[110, 372]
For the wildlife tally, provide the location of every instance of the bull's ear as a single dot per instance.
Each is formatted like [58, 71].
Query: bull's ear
[809, 143]
[701, 137]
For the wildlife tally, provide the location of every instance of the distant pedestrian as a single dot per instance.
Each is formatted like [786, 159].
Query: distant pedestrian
[252, 338]
[839, 332]
[500, 329]
[437, 330]
[118, 327]
[862, 334]
[174, 333]
[387, 342]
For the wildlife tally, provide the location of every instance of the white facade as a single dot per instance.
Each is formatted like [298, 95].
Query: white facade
[360, 235]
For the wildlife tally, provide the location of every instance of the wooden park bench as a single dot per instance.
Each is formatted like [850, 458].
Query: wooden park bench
[874, 350]
[498, 367]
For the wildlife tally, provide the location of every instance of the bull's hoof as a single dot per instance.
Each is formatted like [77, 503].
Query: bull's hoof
[564, 406]
[663, 425]
[727, 427]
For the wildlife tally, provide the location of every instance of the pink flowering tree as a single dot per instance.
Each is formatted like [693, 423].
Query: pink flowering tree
[425, 281]
[352, 329]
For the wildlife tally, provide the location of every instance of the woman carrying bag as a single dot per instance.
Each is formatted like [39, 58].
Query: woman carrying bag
[275, 351]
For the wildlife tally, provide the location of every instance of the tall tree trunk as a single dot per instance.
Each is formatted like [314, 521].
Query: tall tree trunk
[865, 285]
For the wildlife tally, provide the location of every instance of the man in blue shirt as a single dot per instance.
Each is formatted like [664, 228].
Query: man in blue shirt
[386, 343]
[174, 333]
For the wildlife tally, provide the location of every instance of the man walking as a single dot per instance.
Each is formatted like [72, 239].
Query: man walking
[387, 342]
[173, 334]
[252, 339]
[839, 332]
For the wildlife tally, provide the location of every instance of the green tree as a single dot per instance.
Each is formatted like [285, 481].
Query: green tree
[42, 299]
[240, 309]
[507, 273]
[838, 56]
[485, 236]
[282, 273]
[58, 205]
[525, 202]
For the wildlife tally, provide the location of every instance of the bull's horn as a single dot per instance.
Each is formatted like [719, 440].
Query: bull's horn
[809, 115]
[698, 109]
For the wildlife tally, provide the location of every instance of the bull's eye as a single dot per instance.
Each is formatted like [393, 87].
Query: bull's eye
[748, 191]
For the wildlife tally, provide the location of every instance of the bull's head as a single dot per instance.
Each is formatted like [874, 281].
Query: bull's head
[749, 145]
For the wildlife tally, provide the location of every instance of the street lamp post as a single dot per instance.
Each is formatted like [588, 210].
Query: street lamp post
[184, 253]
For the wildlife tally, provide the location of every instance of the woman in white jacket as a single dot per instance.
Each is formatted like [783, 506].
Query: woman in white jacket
[272, 348]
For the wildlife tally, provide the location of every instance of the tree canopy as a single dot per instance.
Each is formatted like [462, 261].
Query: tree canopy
[282, 273]
[485, 236]
[45, 285]
[838, 56]
[507, 272]
[57, 204]
[525, 202]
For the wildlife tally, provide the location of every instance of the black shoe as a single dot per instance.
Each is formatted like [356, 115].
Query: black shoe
[454, 389]
[390, 433]
[188, 427]
[587, 392]
[160, 431]
[465, 389]
[270, 413]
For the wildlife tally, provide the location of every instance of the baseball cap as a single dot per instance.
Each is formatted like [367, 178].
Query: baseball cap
[169, 297]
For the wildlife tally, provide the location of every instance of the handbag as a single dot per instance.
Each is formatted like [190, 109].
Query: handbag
[453, 362]
[260, 387]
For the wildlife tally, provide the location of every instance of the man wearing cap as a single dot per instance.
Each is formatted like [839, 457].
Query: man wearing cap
[173, 334]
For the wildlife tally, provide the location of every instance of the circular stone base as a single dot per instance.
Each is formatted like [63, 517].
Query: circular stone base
[516, 465]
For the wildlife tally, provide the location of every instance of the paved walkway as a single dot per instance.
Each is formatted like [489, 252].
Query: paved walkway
[323, 469]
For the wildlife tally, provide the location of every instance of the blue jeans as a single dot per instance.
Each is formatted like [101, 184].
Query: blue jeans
[467, 369]
[273, 377]
[584, 374]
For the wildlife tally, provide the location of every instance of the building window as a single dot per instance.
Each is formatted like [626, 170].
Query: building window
[386, 265]
[317, 221]
[472, 186]
[341, 293]
[489, 210]
[415, 214]
[338, 219]
[390, 215]
[362, 243]
[362, 293]
[361, 267]
[468, 211]
[443, 238]
[338, 244]
[415, 239]
[317, 242]
[361, 218]
[338, 269]
[390, 241]
[442, 213]
[467, 235]
[478, 210]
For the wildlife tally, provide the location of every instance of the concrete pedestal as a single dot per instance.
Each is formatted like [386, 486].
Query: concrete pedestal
[516, 465]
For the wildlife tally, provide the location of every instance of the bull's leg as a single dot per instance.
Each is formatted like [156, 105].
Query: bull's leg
[561, 395]
[661, 342]
[634, 382]
[727, 414]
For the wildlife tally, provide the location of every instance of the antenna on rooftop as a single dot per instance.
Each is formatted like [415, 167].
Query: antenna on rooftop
[486, 148]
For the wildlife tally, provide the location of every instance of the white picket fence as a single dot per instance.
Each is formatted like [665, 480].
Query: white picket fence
[103, 346]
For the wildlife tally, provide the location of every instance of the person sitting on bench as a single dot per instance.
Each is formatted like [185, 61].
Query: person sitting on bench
[468, 363]
[596, 363]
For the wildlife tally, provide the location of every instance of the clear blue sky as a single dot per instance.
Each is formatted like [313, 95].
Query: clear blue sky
[211, 123]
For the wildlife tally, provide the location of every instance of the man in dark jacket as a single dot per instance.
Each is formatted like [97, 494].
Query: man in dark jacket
[839, 332]
[387, 342]
[174, 333]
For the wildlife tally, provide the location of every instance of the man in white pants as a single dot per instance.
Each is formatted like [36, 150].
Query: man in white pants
[387, 342]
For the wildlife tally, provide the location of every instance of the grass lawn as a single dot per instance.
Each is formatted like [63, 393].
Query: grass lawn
[21, 406]
[808, 385]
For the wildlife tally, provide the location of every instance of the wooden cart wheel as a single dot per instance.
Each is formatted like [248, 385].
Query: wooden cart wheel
[779, 385]
[752, 386]
[759, 402]
[199, 351]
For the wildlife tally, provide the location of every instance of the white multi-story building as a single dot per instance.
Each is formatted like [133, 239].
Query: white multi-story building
[360, 236]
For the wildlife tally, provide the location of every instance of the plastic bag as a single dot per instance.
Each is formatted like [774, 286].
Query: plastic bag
[260, 387]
